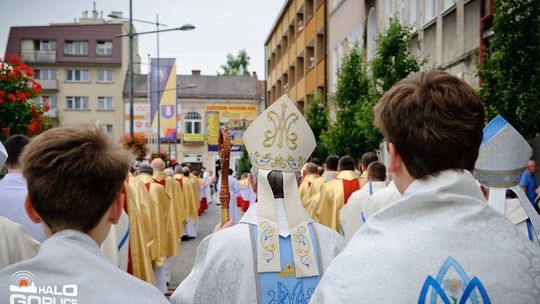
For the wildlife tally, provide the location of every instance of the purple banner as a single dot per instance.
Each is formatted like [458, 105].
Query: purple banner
[158, 81]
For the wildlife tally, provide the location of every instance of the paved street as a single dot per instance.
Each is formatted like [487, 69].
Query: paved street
[183, 263]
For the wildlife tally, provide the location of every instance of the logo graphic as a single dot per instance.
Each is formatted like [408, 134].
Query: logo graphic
[452, 286]
[23, 281]
[23, 288]
[167, 111]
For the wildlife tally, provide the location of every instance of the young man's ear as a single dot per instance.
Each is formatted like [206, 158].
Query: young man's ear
[116, 209]
[32, 214]
[395, 160]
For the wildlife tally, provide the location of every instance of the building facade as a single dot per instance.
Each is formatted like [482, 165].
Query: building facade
[81, 67]
[447, 33]
[204, 103]
[295, 52]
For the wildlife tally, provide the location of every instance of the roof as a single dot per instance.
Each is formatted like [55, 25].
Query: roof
[207, 86]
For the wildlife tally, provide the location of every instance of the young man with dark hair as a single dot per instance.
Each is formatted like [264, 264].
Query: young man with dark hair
[75, 176]
[367, 158]
[352, 214]
[335, 194]
[330, 168]
[441, 240]
[13, 188]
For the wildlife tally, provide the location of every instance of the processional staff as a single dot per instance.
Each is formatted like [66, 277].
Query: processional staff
[224, 142]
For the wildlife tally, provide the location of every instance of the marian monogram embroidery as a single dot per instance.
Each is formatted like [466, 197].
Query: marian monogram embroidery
[453, 288]
[295, 296]
[281, 129]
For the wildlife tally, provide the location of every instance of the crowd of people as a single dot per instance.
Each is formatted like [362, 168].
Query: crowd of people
[451, 218]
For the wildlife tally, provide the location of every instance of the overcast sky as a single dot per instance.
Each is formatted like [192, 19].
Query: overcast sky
[223, 26]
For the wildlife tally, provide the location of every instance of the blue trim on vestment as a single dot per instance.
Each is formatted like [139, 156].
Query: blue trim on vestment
[124, 239]
[492, 128]
[530, 230]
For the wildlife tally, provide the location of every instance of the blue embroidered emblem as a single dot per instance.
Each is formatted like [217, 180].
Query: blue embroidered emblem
[453, 290]
[297, 296]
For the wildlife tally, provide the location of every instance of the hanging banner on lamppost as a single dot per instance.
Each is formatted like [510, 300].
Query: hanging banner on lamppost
[163, 93]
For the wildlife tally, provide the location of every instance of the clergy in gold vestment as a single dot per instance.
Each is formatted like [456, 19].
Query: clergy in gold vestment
[171, 186]
[311, 184]
[191, 203]
[336, 193]
[140, 263]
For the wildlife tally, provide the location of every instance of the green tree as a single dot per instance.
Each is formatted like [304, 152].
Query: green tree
[511, 72]
[236, 65]
[317, 118]
[244, 164]
[343, 136]
[391, 63]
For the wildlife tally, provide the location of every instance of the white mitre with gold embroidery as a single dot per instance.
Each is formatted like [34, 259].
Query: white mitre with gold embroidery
[501, 161]
[280, 139]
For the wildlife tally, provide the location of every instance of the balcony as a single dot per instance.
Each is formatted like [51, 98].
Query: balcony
[33, 56]
[48, 84]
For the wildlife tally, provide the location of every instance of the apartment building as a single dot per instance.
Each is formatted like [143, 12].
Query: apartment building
[81, 67]
[295, 52]
[447, 33]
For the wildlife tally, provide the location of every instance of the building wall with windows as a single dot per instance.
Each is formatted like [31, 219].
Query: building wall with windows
[295, 52]
[211, 101]
[81, 66]
[445, 32]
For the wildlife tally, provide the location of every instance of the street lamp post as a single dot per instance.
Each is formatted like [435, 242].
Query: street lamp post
[130, 34]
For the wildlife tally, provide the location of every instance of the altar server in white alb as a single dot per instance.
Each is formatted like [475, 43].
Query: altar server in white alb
[351, 215]
[77, 216]
[440, 243]
[276, 254]
[503, 157]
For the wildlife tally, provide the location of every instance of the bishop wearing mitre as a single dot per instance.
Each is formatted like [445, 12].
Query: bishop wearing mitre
[276, 251]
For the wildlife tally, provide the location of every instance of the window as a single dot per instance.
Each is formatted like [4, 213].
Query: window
[413, 13]
[106, 128]
[76, 47]
[77, 102]
[193, 123]
[45, 74]
[105, 103]
[45, 45]
[430, 10]
[449, 3]
[104, 48]
[51, 101]
[105, 75]
[77, 75]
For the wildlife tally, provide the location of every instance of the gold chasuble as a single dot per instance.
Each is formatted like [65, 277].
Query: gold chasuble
[162, 202]
[192, 206]
[140, 262]
[196, 191]
[334, 195]
[174, 232]
[147, 210]
[311, 185]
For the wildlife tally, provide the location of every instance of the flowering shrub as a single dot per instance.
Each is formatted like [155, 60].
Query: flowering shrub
[19, 113]
[137, 144]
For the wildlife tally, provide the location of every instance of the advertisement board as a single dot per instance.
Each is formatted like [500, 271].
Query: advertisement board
[236, 117]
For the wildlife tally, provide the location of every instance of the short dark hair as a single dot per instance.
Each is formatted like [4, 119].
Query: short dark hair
[331, 162]
[434, 120]
[14, 147]
[346, 163]
[377, 171]
[74, 174]
[311, 168]
[275, 179]
[368, 158]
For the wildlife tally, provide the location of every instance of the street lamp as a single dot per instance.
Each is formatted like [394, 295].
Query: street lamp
[130, 34]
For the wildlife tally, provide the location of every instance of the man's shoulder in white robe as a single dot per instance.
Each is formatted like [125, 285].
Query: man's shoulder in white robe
[16, 244]
[390, 258]
[225, 268]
